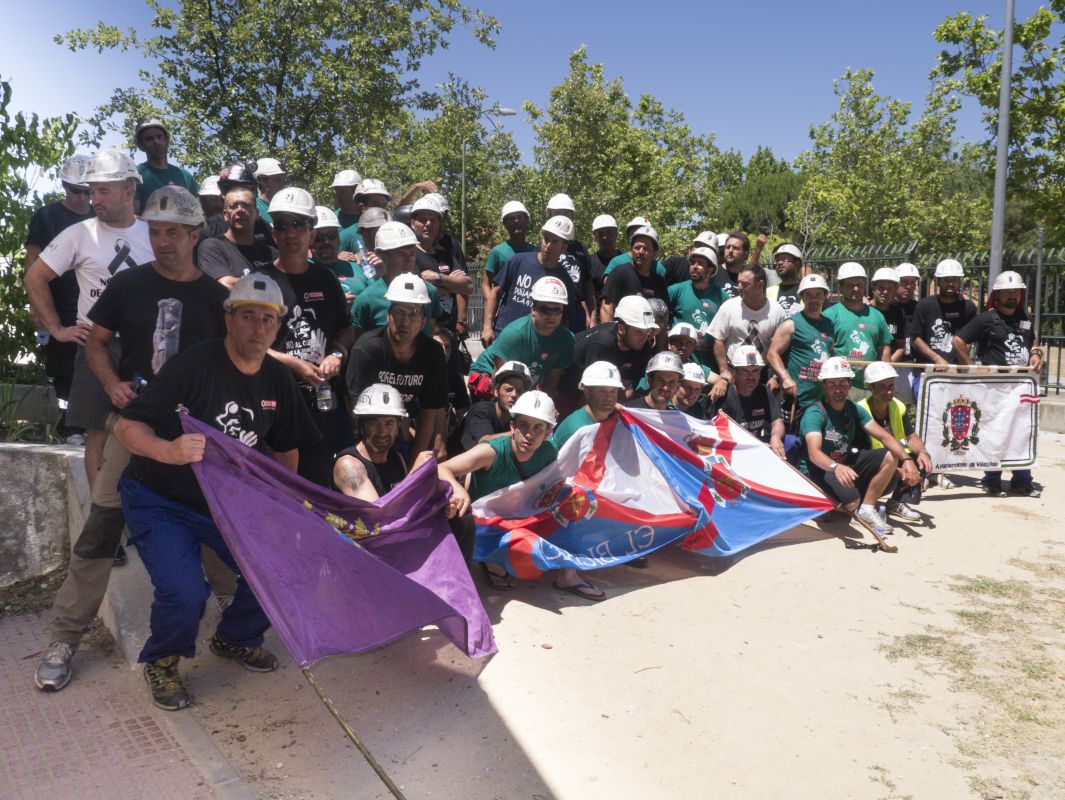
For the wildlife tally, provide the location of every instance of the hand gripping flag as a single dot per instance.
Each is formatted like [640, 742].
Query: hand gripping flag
[335, 574]
[637, 482]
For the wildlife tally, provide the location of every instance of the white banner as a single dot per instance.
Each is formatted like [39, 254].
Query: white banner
[973, 422]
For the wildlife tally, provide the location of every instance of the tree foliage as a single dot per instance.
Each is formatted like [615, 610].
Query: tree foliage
[759, 203]
[971, 65]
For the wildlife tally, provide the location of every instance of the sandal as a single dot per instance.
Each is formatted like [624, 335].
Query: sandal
[585, 590]
[498, 581]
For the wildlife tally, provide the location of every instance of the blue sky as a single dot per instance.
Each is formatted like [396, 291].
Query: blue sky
[751, 73]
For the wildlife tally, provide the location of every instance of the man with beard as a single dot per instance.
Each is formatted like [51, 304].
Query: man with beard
[937, 319]
[601, 384]
[787, 259]
[374, 465]
[861, 331]
[325, 247]
[751, 404]
[638, 277]
[516, 221]
[154, 140]
[697, 300]
[441, 267]
[489, 418]
[801, 344]
[626, 342]
[1004, 336]
[883, 288]
[664, 372]
[240, 249]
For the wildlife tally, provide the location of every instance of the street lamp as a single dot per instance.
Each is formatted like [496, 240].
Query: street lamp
[488, 114]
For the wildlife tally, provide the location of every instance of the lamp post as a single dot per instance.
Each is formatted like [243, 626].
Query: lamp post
[487, 113]
[998, 214]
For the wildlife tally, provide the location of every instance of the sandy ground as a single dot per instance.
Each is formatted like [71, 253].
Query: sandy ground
[811, 667]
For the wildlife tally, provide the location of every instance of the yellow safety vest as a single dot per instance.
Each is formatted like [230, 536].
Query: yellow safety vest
[896, 411]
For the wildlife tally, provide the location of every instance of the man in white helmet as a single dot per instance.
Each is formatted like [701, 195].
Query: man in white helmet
[487, 419]
[344, 185]
[47, 222]
[562, 205]
[697, 300]
[271, 178]
[788, 260]
[233, 385]
[325, 249]
[627, 342]
[538, 339]
[690, 396]
[938, 318]
[1004, 336]
[605, 231]
[401, 355]
[882, 290]
[861, 331]
[512, 299]
[153, 139]
[516, 221]
[95, 250]
[800, 345]
[751, 404]
[664, 373]
[374, 465]
[442, 266]
[601, 385]
[152, 311]
[638, 277]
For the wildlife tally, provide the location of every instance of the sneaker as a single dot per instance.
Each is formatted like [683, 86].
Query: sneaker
[253, 658]
[120, 557]
[168, 692]
[873, 521]
[76, 439]
[53, 673]
[993, 491]
[1026, 491]
[903, 511]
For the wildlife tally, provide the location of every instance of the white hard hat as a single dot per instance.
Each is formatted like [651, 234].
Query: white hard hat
[603, 221]
[510, 368]
[790, 250]
[440, 200]
[513, 207]
[683, 329]
[720, 239]
[706, 239]
[346, 177]
[209, 187]
[107, 166]
[647, 232]
[949, 268]
[709, 253]
[550, 289]
[173, 204]
[379, 400]
[850, 269]
[812, 281]
[885, 274]
[665, 362]
[634, 310]
[560, 226]
[601, 373]
[327, 218]
[373, 186]
[907, 270]
[427, 203]
[835, 367]
[561, 202]
[879, 371]
[73, 170]
[394, 235]
[536, 404]
[258, 289]
[266, 167]
[150, 123]
[407, 288]
[293, 200]
[745, 355]
[638, 222]
[1008, 280]
[694, 373]
[373, 217]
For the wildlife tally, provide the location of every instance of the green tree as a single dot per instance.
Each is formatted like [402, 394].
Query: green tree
[971, 65]
[30, 148]
[870, 177]
[761, 201]
[300, 80]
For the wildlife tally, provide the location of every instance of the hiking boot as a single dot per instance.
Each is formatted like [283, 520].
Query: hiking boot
[870, 519]
[1026, 491]
[53, 673]
[168, 692]
[252, 658]
[903, 511]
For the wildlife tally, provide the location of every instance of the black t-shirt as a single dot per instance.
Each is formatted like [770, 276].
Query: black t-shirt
[676, 269]
[936, 323]
[788, 298]
[756, 413]
[1003, 341]
[601, 344]
[446, 257]
[422, 381]
[480, 420]
[47, 223]
[896, 323]
[383, 477]
[221, 258]
[579, 253]
[625, 280]
[727, 282]
[908, 310]
[263, 411]
[317, 312]
[597, 264]
[156, 318]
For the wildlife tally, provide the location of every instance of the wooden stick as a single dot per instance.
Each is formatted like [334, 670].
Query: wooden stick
[948, 368]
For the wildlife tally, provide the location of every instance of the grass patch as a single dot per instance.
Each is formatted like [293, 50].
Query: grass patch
[957, 657]
[990, 587]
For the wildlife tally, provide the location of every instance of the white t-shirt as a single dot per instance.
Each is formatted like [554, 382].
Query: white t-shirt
[736, 324]
[96, 252]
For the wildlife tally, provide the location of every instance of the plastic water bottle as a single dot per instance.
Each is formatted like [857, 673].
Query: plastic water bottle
[42, 337]
[324, 397]
[368, 269]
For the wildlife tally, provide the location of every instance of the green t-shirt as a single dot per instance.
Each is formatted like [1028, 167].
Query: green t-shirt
[502, 253]
[626, 258]
[838, 431]
[504, 472]
[370, 309]
[519, 341]
[811, 343]
[859, 336]
[264, 210]
[349, 275]
[697, 307]
[154, 179]
[350, 237]
[569, 426]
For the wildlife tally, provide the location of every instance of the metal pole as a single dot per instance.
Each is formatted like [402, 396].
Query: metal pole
[998, 217]
[462, 202]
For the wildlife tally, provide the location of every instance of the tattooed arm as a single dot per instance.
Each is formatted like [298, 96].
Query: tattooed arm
[349, 474]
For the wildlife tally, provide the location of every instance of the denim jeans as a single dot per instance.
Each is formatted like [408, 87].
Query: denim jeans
[1020, 479]
[168, 536]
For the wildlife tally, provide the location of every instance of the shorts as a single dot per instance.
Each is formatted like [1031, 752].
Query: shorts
[89, 403]
[866, 463]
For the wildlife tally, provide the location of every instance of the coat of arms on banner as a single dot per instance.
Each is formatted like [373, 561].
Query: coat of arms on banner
[961, 424]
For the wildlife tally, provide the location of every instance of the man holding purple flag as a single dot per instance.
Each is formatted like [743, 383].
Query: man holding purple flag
[230, 385]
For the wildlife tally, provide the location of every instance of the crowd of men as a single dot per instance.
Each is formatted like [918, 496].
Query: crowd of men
[333, 339]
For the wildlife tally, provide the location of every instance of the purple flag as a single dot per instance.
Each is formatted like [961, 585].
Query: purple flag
[335, 574]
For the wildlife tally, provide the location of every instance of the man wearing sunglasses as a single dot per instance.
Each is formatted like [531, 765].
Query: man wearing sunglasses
[325, 245]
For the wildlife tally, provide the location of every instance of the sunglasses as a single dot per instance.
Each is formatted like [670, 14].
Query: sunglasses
[406, 313]
[331, 236]
[77, 191]
[549, 311]
[292, 223]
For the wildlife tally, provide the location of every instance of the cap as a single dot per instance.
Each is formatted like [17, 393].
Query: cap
[173, 204]
[885, 274]
[73, 170]
[440, 200]
[950, 268]
[379, 400]
[549, 289]
[812, 281]
[601, 373]
[108, 166]
[1008, 280]
[709, 253]
[638, 222]
[907, 270]
[255, 288]
[603, 221]
[789, 250]
[706, 239]
[694, 373]
[372, 186]
[346, 177]
[850, 269]
[835, 367]
[236, 175]
[647, 232]
[427, 203]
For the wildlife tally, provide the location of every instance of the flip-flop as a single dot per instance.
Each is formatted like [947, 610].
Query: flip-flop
[585, 590]
[498, 582]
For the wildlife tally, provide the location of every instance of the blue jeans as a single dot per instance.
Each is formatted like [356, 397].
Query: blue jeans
[168, 536]
[1020, 479]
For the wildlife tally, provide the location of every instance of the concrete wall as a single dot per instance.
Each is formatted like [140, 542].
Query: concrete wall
[43, 497]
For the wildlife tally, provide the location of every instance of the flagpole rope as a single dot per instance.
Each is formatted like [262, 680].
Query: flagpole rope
[351, 734]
